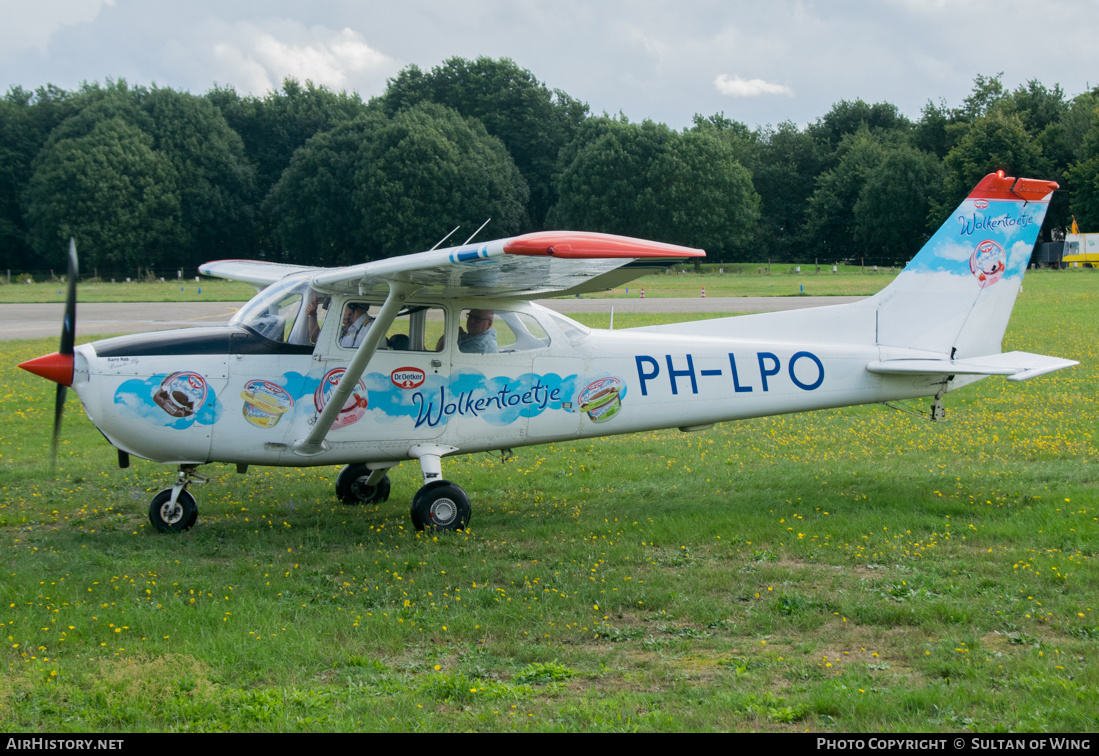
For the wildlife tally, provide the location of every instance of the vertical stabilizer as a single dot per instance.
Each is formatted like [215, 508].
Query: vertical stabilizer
[955, 296]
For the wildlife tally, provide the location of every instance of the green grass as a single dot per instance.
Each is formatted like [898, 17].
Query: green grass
[842, 570]
[212, 290]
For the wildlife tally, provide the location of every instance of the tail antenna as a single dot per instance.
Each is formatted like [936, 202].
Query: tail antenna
[477, 231]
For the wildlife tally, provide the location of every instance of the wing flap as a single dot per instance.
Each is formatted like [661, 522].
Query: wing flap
[1017, 366]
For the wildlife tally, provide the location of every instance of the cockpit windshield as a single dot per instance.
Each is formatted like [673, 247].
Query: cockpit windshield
[289, 311]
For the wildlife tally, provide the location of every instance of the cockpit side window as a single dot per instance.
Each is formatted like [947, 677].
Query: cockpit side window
[500, 331]
[417, 328]
[272, 310]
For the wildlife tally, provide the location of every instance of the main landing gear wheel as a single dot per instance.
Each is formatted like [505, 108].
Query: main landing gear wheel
[352, 487]
[441, 505]
[173, 519]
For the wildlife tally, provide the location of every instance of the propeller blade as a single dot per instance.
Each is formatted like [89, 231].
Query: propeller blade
[58, 410]
[68, 339]
[68, 326]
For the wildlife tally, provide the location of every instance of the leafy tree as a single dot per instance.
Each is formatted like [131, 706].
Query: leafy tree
[1064, 141]
[890, 216]
[745, 143]
[216, 181]
[709, 198]
[272, 127]
[532, 121]
[18, 143]
[1037, 106]
[428, 168]
[830, 224]
[850, 117]
[313, 207]
[789, 160]
[110, 190]
[604, 182]
[648, 181]
[932, 132]
[1084, 179]
[988, 94]
[26, 119]
[987, 91]
[376, 187]
[998, 141]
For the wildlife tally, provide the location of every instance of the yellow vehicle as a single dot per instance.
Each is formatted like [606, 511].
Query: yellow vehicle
[1081, 251]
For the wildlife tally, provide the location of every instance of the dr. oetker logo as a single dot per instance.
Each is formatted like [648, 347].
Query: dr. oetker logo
[407, 378]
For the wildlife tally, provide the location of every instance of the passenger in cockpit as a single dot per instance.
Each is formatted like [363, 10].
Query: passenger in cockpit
[478, 337]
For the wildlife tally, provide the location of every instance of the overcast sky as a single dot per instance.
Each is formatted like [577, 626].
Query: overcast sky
[758, 62]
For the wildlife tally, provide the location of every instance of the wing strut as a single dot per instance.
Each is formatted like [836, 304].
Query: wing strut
[314, 443]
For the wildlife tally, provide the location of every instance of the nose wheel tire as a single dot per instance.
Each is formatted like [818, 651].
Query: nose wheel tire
[441, 505]
[352, 488]
[169, 518]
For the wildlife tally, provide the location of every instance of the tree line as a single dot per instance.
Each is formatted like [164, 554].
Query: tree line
[156, 178]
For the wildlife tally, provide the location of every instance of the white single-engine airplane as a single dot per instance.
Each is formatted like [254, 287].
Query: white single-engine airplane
[440, 353]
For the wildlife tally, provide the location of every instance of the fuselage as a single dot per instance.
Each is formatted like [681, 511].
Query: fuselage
[246, 392]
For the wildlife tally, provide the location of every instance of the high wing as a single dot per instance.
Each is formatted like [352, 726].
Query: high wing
[542, 264]
[256, 272]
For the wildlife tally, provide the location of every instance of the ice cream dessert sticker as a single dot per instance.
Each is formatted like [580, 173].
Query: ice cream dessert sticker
[601, 399]
[988, 262]
[355, 406]
[265, 403]
[181, 394]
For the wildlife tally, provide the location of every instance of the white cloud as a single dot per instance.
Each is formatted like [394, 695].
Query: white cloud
[28, 25]
[737, 87]
[258, 59]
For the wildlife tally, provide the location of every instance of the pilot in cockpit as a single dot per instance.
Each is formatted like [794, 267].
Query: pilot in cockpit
[355, 324]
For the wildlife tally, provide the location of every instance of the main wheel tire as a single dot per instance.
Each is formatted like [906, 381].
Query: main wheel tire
[441, 505]
[169, 519]
[351, 487]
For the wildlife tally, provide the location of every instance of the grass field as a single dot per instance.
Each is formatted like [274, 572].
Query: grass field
[842, 570]
[209, 290]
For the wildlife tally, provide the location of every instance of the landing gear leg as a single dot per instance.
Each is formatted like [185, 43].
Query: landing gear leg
[174, 510]
[938, 411]
[363, 484]
[439, 504]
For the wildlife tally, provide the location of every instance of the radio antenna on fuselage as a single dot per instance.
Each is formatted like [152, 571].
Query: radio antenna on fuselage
[445, 237]
[477, 231]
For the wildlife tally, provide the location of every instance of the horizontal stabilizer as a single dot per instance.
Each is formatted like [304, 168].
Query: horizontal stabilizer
[1017, 366]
